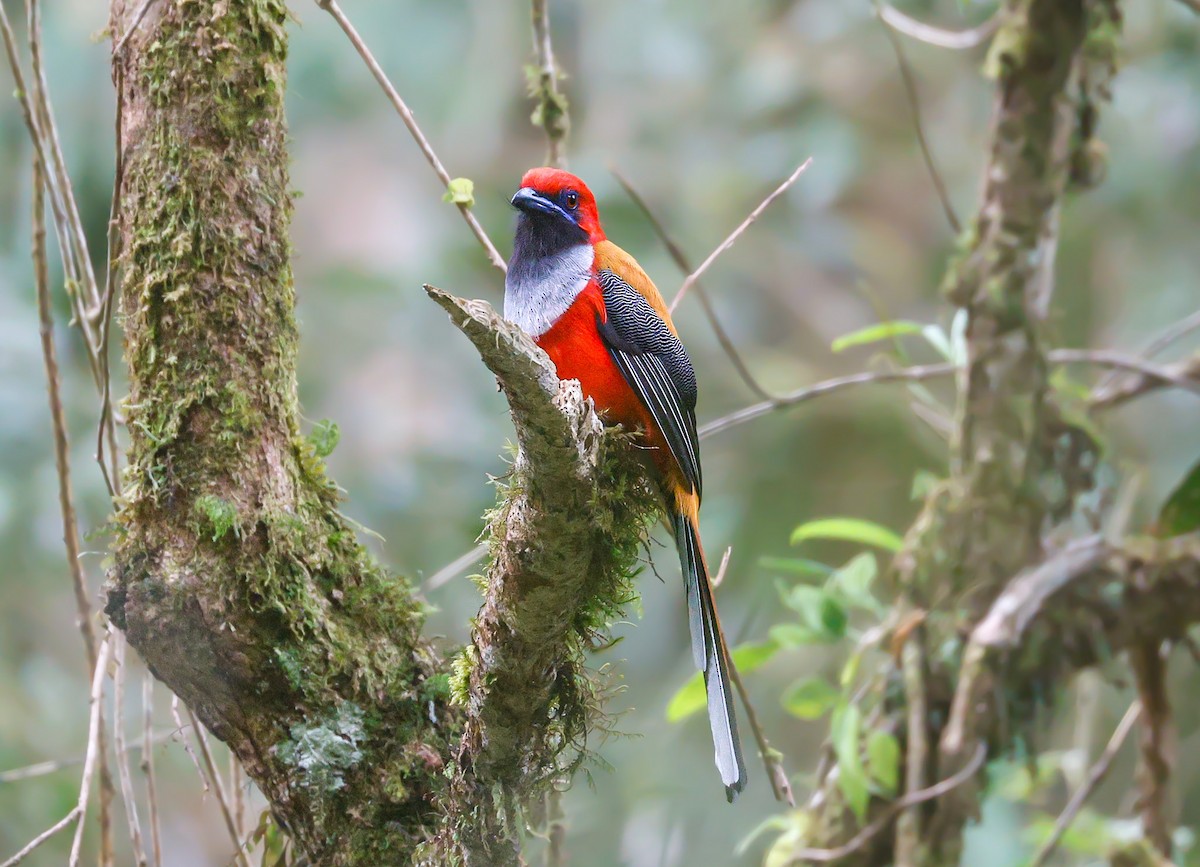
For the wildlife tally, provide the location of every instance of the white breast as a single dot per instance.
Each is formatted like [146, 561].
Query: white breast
[538, 290]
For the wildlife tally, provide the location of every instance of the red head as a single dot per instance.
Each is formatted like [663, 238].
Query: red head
[559, 196]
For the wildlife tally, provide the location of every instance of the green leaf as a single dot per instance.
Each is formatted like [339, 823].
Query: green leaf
[1181, 512]
[852, 779]
[856, 787]
[748, 657]
[811, 698]
[923, 484]
[805, 600]
[689, 699]
[875, 333]
[853, 582]
[460, 191]
[936, 337]
[777, 822]
[883, 760]
[794, 635]
[850, 669]
[848, 530]
[833, 617]
[795, 566]
[324, 437]
[819, 611]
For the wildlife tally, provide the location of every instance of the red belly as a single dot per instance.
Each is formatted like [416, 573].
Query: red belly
[575, 347]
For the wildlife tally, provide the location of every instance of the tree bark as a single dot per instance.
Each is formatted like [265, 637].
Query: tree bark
[234, 575]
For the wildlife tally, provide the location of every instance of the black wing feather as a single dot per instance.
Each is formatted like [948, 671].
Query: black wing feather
[656, 366]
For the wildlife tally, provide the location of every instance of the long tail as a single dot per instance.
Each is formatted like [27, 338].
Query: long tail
[711, 653]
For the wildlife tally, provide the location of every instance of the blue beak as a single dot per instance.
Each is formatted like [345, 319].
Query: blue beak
[530, 201]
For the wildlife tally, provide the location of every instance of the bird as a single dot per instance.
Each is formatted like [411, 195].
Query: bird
[602, 321]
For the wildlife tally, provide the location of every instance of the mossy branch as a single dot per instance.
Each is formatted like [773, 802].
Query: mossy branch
[564, 539]
[1018, 464]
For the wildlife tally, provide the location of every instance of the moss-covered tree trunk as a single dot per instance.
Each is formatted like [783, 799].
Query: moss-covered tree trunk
[234, 575]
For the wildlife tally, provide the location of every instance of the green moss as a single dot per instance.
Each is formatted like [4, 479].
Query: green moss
[207, 300]
[219, 515]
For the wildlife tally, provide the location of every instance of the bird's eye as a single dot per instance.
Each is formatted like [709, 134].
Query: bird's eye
[572, 199]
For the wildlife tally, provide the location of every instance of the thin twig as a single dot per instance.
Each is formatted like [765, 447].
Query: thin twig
[1095, 776]
[957, 40]
[181, 729]
[239, 795]
[35, 135]
[454, 568]
[772, 759]
[1124, 361]
[406, 115]
[93, 745]
[1157, 746]
[147, 765]
[42, 838]
[76, 238]
[681, 260]
[736, 233]
[219, 789]
[914, 104]
[720, 576]
[864, 836]
[62, 448]
[908, 825]
[1136, 386]
[132, 27]
[904, 374]
[1179, 376]
[42, 769]
[1158, 343]
[123, 774]
[552, 107]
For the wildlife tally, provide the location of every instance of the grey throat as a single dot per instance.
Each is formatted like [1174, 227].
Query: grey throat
[539, 289]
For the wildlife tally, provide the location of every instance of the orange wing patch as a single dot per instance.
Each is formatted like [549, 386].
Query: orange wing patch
[610, 257]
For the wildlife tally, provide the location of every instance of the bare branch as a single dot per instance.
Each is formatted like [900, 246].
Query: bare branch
[904, 374]
[147, 765]
[957, 40]
[406, 115]
[1123, 361]
[218, 788]
[41, 838]
[710, 312]
[914, 104]
[863, 837]
[94, 747]
[908, 825]
[454, 568]
[1144, 383]
[1157, 344]
[1157, 744]
[736, 233]
[62, 449]
[131, 813]
[1095, 777]
[551, 112]
[564, 542]
[132, 26]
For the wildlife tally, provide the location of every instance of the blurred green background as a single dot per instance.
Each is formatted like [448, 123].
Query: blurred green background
[706, 107]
